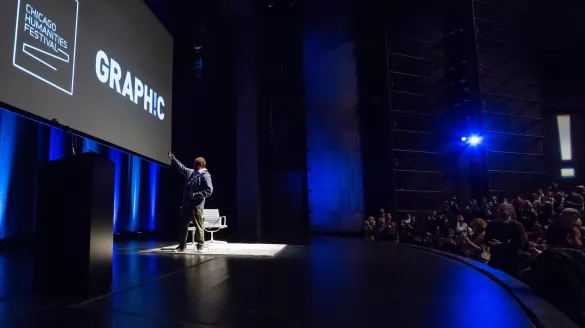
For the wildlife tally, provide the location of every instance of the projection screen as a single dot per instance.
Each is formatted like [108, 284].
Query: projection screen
[101, 67]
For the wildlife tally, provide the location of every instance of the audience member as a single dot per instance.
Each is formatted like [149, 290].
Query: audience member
[505, 237]
[575, 199]
[381, 218]
[461, 226]
[502, 240]
[558, 274]
[570, 215]
[369, 228]
[474, 246]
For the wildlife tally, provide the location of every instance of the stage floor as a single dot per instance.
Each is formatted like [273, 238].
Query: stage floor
[332, 283]
[224, 249]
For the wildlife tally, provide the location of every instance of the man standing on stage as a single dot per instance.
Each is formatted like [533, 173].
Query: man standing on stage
[197, 188]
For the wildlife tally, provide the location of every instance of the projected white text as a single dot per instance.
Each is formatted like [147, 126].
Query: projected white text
[109, 72]
[47, 37]
[43, 29]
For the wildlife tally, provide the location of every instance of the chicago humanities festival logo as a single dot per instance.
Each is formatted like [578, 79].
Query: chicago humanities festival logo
[45, 40]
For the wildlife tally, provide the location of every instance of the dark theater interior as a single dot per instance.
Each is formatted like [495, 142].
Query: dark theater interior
[343, 163]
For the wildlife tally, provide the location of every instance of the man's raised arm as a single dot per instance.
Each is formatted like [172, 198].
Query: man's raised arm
[182, 168]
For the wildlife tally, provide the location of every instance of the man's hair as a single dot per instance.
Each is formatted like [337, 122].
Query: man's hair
[478, 222]
[508, 207]
[569, 214]
[558, 232]
[200, 161]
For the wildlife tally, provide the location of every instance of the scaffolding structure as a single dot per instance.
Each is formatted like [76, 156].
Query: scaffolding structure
[459, 67]
[422, 175]
[508, 85]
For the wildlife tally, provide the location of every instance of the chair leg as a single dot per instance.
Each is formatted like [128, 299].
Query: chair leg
[213, 241]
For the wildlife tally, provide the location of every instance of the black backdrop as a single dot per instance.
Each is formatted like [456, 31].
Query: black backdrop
[204, 103]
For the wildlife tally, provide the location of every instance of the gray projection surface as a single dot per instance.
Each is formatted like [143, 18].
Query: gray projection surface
[101, 67]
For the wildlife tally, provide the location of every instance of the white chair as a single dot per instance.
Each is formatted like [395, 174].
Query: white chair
[212, 223]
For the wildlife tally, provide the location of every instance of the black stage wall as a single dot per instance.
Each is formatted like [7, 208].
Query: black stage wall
[558, 37]
[375, 119]
[248, 170]
[281, 122]
[204, 117]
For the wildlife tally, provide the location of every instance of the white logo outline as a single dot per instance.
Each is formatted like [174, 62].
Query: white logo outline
[25, 45]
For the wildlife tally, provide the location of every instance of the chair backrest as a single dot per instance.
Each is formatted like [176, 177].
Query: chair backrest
[211, 218]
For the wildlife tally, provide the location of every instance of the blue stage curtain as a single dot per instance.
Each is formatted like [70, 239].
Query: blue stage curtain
[8, 134]
[25, 144]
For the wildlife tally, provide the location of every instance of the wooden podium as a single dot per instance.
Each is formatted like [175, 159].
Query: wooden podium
[74, 226]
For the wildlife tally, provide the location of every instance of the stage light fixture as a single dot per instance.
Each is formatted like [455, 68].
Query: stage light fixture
[475, 140]
[463, 139]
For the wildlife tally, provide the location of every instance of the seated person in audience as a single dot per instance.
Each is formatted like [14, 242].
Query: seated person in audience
[436, 237]
[369, 226]
[449, 244]
[461, 226]
[538, 237]
[529, 216]
[406, 221]
[432, 218]
[405, 228]
[473, 243]
[453, 205]
[413, 223]
[570, 215]
[475, 208]
[443, 225]
[546, 215]
[380, 228]
[575, 199]
[559, 202]
[505, 237]
[518, 203]
[558, 274]
[536, 202]
[381, 218]
[391, 232]
[388, 218]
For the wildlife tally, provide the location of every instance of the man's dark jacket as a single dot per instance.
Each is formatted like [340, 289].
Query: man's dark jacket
[198, 185]
[558, 275]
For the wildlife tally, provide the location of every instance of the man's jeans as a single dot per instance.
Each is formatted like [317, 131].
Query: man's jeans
[188, 215]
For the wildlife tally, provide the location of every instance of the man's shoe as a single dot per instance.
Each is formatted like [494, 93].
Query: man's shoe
[200, 249]
[180, 249]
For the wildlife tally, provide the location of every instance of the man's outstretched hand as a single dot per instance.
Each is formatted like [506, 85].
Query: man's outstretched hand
[171, 156]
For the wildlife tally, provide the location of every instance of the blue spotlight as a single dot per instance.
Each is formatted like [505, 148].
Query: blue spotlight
[463, 139]
[475, 140]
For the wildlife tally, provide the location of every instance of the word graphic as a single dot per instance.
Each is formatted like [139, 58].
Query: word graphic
[109, 71]
[44, 42]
